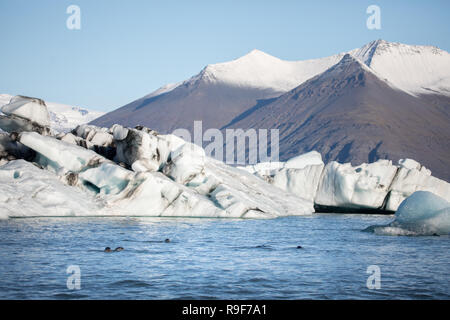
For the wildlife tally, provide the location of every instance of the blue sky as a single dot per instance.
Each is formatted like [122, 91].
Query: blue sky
[126, 49]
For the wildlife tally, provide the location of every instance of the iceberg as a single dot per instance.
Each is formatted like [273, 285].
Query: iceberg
[245, 195]
[27, 191]
[301, 182]
[299, 175]
[95, 135]
[423, 213]
[125, 171]
[412, 177]
[364, 186]
[138, 146]
[168, 177]
[60, 156]
[25, 114]
[10, 149]
[186, 163]
[153, 194]
[108, 178]
[302, 161]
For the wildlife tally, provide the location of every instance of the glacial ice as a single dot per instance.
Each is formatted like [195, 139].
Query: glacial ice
[63, 118]
[138, 146]
[10, 149]
[27, 191]
[364, 186]
[153, 194]
[311, 158]
[95, 135]
[163, 175]
[58, 155]
[119, 132]
[301, 182]
[299, 175]
[245, 195]
[413, 177]
[188, 184]
[423, 213]
[108, 178]
[31, 109]
[186, 163]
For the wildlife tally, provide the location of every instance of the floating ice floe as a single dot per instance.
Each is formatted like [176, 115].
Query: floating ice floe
[423, 213]
[379, 186]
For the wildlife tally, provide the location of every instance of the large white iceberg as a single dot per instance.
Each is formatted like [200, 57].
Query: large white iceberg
[193, 185]
[423, 213]
[412, 177]
[364, 186]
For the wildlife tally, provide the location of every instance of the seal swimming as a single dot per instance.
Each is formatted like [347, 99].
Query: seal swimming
[118, 249]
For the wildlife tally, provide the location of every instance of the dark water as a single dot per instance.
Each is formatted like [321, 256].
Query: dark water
[218, 259]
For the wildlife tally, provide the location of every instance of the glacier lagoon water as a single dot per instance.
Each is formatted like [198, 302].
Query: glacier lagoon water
[218, 259]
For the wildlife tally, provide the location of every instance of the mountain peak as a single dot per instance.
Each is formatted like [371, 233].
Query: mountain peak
[255, 53]
[349, 63]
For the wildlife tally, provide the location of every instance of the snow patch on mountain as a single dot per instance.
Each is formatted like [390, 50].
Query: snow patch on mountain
[260, 70]
[413, 68]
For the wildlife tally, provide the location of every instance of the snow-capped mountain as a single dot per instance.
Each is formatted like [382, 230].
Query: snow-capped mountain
[218, 93]
[413, 68]
[222, 91]
[63, 117]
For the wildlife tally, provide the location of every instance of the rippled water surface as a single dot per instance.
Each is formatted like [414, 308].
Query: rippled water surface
[218, 259]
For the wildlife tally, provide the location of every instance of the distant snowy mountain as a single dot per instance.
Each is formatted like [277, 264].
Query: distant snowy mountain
[63, 117]
[218, 93]
[222, 91]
